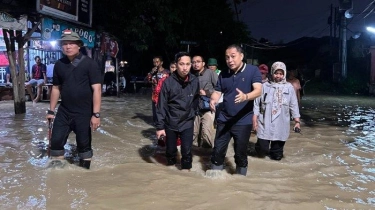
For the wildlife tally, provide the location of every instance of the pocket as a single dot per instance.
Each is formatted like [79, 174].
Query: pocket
[286, 97]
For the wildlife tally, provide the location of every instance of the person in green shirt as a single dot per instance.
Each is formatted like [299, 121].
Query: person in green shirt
[212, 65]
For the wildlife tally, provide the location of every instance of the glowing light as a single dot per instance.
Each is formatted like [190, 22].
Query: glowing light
[370, 29]
[53, 43]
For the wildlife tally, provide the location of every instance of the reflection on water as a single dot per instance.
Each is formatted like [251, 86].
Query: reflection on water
[329, 166]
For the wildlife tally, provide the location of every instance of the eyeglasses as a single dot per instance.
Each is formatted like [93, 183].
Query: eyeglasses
[194, 62]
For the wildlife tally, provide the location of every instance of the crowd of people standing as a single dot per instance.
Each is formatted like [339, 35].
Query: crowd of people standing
[206, 107]
[193, 104]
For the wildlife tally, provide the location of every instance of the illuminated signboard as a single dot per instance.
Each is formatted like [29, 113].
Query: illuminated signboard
[52, 30]
[79, 11]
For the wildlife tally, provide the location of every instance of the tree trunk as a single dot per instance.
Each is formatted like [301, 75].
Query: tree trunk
[19, 104]
[20, 101]
[18, 80]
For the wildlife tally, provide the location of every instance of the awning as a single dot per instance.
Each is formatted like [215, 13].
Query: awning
[3, 59]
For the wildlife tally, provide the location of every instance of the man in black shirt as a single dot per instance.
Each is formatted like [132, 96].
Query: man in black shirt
[78, 79]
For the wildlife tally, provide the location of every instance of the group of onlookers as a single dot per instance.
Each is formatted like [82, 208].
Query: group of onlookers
[197, 104]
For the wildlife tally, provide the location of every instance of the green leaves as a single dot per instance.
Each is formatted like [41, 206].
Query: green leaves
[146, 24]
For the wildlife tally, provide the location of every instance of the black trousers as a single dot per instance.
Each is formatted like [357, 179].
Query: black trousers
[186, 137]
[154, 118]
[63, 124]
[224, 133]
[275, 149]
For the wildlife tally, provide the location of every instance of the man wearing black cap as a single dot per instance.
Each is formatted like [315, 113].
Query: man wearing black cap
[78, 79]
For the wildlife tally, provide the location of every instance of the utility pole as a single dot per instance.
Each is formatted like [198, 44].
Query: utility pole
[336, 18]
[344, 47]
[345, 5]
[331, 22]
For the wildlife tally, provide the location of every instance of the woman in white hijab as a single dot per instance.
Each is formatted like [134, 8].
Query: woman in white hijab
[272, 114]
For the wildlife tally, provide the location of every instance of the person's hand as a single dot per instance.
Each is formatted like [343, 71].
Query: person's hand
[213, 105]
[240, 97]
[297, 127]
[255, 123]
[50, 117]
[95, 123]
[160, 133]
[202, 92]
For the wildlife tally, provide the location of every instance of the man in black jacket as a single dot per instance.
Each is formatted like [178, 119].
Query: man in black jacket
[176, 110]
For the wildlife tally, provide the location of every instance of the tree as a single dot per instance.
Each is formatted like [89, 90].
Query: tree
[15, 10]
[156, 27]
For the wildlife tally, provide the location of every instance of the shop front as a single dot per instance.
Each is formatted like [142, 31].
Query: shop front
[106, 54]
[44, 42]
[45, 46]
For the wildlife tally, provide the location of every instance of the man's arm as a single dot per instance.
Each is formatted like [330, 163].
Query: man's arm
[8, 78]
[97, 100]
[162, 106]
[55, 95]
[97, 97]
[44, 72]
[45, 77]
[215, 96]
[7, 72]
[257, 90]
[214, 78]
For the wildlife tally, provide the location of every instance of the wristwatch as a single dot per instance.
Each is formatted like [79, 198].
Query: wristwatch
[96, 114]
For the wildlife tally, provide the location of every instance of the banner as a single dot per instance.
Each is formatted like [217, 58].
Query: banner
[52, 30]
[108, 45]
[8, 22]
[79, 11]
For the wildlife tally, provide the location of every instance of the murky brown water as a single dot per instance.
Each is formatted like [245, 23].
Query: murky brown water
[330, 166]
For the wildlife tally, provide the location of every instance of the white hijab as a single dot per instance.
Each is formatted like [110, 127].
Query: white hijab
[278, 94]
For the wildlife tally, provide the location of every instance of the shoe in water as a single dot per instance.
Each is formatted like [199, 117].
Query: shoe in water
[85, 163]
[56, 164]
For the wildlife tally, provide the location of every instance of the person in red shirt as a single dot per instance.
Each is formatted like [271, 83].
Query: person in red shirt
[39, 78]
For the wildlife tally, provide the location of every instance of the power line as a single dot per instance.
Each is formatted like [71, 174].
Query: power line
[368, 6]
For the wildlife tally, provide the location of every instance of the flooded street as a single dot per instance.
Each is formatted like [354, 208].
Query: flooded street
[330, 165]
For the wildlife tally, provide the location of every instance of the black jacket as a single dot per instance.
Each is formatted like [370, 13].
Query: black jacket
[178, 103]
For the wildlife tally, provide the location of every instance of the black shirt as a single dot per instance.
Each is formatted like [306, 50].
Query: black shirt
[75, 79]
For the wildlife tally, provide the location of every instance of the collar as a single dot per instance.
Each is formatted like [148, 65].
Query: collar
[77, 59]
[201, 73]
[240, 69]
[179, 78]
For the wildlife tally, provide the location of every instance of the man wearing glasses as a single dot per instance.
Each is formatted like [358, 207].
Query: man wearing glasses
[204, 131]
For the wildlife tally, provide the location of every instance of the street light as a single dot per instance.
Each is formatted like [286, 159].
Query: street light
[370, 29]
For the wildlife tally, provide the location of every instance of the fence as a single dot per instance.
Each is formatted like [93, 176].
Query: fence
[3, 78]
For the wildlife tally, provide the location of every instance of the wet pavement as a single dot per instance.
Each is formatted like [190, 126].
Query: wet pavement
[330, 165]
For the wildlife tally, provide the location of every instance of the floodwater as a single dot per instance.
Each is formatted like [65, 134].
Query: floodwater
[330, 165]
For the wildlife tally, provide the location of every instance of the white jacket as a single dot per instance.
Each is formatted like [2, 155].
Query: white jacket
[273, 110]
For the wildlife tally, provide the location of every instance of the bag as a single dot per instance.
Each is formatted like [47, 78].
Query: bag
[205, 103]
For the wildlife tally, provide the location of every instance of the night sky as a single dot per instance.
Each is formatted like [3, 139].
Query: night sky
[287, 20]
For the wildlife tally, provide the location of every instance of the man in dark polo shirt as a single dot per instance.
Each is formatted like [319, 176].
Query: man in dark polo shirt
[78, 79]
[240, 84]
